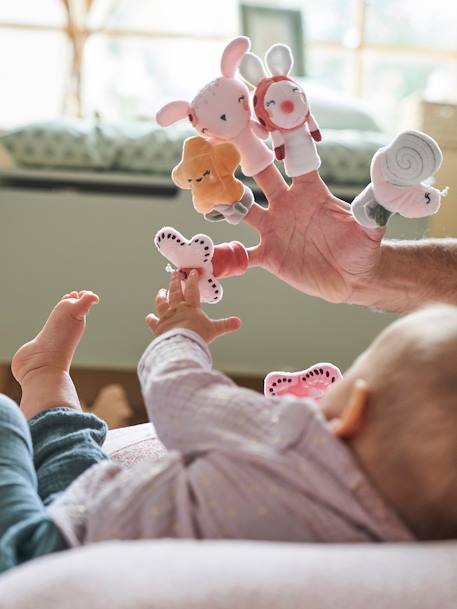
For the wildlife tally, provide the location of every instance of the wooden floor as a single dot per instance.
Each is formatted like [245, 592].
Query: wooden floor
[89, 382]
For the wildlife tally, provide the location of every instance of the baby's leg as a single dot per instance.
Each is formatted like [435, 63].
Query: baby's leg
[26, 531]
[66, 441]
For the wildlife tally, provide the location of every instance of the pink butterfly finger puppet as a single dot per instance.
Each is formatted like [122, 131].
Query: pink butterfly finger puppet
[310, 383]
[220, 112]
[199, 253]
[397, 183]
[282, 108]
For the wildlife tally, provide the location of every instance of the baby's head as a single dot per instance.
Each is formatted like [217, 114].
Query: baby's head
[397, 409]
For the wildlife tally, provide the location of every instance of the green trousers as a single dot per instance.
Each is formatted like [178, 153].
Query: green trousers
[38, 460]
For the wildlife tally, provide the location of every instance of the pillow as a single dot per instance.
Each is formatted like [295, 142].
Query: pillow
[337, 110]
[61, 143]
[147, 148]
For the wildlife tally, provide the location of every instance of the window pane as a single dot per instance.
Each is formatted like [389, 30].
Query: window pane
[331, 68]
[405, 23]
[128, 78]
[390, 78]
[32, 84]
[328, 20]
[43, 12]
[209, 17]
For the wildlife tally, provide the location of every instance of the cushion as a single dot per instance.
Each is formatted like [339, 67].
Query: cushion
[172, 574]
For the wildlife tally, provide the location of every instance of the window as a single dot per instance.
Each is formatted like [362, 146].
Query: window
[124, 58]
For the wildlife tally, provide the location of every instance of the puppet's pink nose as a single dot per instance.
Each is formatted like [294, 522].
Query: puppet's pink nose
[287, 106]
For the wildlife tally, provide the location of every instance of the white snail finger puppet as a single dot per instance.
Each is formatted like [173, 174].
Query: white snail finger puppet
[282, 108]
[398, 172]
[187, 254]
[310, 383]
[220, 112]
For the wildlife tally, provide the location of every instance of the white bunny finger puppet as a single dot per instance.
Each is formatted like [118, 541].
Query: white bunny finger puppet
[281, 106]
[220, 112]
[397, 183]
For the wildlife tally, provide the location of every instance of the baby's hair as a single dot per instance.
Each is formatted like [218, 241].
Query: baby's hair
[412, 412]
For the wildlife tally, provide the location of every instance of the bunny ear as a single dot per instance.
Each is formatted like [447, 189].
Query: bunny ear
[232, 55]
[252, 70]
[172, 113]
[279, 59]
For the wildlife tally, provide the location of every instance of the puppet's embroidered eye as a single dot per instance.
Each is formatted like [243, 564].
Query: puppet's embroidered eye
[189, 180]
[204, 129]
[198, 179]
[241, 98]
[207, 172]
[272, 101]
[294, 89]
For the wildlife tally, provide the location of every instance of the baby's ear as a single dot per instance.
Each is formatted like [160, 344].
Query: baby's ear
[226, 156]
[350, 422]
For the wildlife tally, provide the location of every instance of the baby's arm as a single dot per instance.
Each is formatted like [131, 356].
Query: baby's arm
[195, 408]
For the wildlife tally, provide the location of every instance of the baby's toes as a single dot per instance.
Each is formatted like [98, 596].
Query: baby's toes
[85, 301]
[73, 294]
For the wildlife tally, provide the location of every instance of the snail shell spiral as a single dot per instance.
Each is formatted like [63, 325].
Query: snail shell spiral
[411, 158]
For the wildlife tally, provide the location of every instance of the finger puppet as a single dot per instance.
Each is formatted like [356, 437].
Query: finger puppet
[397, 183]
[310, 383]
[207, 170]
[200, 253]
[220, 112]
[282, 108]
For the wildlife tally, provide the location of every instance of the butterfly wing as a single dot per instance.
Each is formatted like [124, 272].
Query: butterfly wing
[310, 383]
[186, 254]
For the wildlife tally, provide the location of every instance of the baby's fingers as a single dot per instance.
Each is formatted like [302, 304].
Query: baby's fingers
[224, 326]
[161, 302]
[191, 290]
[175, 295]
[152, 322]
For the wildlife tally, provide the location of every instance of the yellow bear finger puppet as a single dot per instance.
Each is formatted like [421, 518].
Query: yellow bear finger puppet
[207, 170]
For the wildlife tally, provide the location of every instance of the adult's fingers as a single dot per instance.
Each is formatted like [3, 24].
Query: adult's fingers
[191, 290]
[255, 216]
[175, 295]
[224, 326]
[271, 182]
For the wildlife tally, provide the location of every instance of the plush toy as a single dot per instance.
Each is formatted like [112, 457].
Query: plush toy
[226, 259]
[207, 170]
[282, 108]
[397, 183]
[220, 112]
[310, 383]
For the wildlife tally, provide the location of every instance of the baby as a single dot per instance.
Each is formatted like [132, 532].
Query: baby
[376, 461]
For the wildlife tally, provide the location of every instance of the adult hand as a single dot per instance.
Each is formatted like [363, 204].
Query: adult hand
[310, 240]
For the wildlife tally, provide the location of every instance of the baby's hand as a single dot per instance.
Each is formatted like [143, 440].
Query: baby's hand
[176, 309]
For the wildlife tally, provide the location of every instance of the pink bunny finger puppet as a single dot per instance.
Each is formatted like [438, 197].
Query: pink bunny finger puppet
[282, 108]
[310, 383]
[397, 183]
[220, 112]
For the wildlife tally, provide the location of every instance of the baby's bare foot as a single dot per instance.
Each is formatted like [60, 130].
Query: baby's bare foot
[55, 344]
[42, 365]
